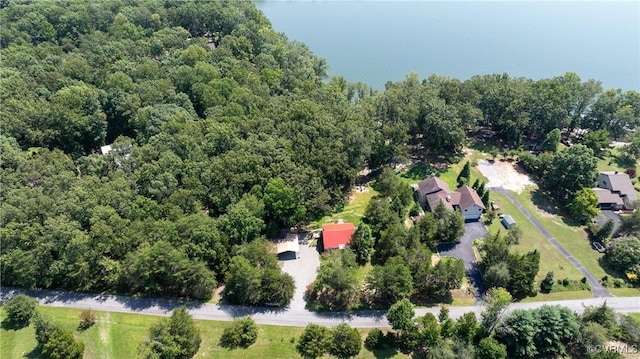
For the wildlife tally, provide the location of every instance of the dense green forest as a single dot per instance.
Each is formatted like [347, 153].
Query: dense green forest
[214, 147]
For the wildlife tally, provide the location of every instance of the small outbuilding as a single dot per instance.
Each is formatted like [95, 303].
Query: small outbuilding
[508, 221]
[336, 236]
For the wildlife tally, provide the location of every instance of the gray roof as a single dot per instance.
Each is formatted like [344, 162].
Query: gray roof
[508, 219]
[606, 196]
[449, 199]
[469, 197]
[620, 182]
[431, 185]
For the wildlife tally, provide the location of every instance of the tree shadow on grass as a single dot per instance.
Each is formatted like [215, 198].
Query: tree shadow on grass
[544, 203]
[36, 353]
[623, 162]
[384, 353]
[9, 325]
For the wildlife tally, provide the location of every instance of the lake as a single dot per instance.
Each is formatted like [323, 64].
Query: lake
[379, 41]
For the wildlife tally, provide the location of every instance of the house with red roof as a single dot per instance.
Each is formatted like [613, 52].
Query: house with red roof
[336, 235]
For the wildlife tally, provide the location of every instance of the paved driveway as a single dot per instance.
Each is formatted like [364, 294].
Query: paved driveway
[607, 214]
[597, 288]
[464, 251]
[304, 270]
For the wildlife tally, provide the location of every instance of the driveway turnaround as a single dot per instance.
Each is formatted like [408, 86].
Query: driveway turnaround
[597, 289]
[464, 250]
[285, 317]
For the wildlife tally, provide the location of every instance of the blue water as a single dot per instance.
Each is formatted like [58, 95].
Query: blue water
[379, 41]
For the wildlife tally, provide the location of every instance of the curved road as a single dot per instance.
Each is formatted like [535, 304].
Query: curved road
[274, 316]
[597, 289]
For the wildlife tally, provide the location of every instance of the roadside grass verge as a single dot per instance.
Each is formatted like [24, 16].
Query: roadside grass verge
[464, 296]
[625, 292]
[127, 331]
[576, 294]
[550, 258]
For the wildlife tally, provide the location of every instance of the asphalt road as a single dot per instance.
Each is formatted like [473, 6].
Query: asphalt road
[284, 317]
[597, 289]
[463, 249]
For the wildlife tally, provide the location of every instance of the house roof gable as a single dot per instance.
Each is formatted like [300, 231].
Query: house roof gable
[469, 197]
[620, 182]
[431, 185]
[337, 235]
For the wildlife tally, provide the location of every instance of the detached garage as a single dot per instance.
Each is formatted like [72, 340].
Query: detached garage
[508, 221]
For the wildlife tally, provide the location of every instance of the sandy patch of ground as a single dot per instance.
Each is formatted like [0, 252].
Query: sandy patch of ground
[503, 174]
[617, 144]
[434, 260]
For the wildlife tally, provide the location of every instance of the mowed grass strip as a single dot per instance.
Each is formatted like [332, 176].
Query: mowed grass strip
[550, 258]
[126, 331]
[565, 295]
[572, 237]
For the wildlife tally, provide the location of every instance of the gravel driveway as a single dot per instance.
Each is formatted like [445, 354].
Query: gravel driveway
[464, 250]
[304, 270]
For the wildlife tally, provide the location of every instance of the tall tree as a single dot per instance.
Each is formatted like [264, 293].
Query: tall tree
[400, 315]
[584, 205]
[551, 141]
[569, 171]
[496, 301]
[362, 243]
[518, 333]
[390, 282]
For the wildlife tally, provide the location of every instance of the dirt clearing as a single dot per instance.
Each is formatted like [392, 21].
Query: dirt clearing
[504, 174]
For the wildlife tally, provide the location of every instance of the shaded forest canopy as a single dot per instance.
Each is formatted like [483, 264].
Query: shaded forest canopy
[212, 148]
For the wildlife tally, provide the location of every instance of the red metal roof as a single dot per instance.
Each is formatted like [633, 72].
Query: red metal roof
[337, 235]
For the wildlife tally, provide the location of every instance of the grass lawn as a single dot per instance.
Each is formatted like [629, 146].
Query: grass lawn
[117, 335]
[577, 294]
[353, 211]
[420, 172]
[550, 258]
[572, 237]
[635, 315]
[625, 292]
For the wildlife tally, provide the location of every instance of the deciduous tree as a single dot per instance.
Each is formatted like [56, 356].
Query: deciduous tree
[584, 205]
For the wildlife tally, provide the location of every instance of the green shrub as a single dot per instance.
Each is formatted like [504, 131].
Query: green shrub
[242, 333]
[20, 309]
